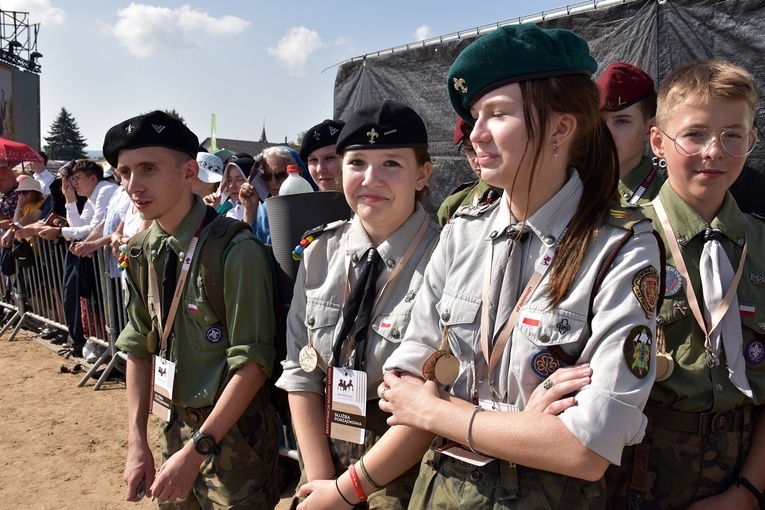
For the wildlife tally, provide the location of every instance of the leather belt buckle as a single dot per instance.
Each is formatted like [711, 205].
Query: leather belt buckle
[194, 417]
[721, 422]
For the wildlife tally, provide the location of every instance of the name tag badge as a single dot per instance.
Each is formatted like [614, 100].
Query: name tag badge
[162, 387]
[464, 454]
[345, 405]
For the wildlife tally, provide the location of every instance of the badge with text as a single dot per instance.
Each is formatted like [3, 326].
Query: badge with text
[345, 404]
[162, 387]
[637, 351]
[673, 282]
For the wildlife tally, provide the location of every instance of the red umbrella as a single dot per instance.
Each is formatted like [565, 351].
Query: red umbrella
[16, 152]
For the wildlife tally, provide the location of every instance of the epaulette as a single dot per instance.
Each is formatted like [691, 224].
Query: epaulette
[475, 211]
[312, 234]
[758, 216]
[463, 186]
[623, 216]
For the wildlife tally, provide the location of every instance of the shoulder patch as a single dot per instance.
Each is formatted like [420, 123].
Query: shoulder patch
[625, 217]
[312, 234]
[475, 211]
[637, 351]
[646, 286]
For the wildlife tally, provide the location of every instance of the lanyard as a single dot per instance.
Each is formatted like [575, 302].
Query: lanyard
[643, 185]
[540, 270]
[693, 302]
[407, 255]
[178, 288]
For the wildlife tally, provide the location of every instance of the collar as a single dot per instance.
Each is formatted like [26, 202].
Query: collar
[182, 236]
[392, 249]
[687, 224]
[552, 218]
[635, 178]
[94, 194]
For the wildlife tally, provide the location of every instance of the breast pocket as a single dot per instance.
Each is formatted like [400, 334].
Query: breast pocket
[753, 329]
[459, 313]
[203, 317]
[547, 340]
[321, 318]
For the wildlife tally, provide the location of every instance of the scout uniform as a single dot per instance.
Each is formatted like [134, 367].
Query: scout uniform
[476, 193]
[608, 414]
[332, 264]
[205, 348]
[621, 86]
[701, 423]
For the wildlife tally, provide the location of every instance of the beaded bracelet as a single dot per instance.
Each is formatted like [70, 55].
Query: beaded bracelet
[356, 483]
[751, 488]
[366, 475]
[476, 410]
[341, 494]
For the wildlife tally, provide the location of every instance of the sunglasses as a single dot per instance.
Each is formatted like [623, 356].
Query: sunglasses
[280, 176]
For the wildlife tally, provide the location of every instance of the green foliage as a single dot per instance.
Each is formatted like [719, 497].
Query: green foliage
[64, 140]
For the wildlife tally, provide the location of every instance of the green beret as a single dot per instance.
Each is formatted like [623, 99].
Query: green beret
[155, 129]
[382, 125]
[514, 53]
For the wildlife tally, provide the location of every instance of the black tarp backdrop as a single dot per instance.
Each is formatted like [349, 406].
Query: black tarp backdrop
[655, 35]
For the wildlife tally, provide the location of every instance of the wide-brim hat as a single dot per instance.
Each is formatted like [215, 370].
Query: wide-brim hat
[28, 184]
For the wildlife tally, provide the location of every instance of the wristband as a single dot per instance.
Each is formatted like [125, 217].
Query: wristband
[751, 488]
[356, 483]
[341, 494]
[476, 410]
[366, 475]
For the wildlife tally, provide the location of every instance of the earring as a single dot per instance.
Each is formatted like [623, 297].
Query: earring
[555, 150]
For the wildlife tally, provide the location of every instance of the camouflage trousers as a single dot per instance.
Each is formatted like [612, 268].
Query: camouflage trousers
[683, 467]
[446, 483]
[241, 476]
[395, 495]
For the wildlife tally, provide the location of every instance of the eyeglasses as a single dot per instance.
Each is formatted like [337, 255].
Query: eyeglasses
[735, 142]
[468, 152]
[280, 176]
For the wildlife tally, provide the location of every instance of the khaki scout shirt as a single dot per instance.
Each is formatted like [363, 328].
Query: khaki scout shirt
[629, 184]
[693, 387]
[321, 288]
[204, 351]
[609, 411]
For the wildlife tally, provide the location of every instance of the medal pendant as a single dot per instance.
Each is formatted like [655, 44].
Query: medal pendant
[442, 367]
[665, 365]
[308, 358]
[152, 339]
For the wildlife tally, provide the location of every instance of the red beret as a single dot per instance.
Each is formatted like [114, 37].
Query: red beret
[623, 85]
[461, 130]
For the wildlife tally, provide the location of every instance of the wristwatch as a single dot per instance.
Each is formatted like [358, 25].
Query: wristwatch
[204, 444]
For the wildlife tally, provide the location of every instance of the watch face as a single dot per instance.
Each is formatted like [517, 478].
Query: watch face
[205, 445]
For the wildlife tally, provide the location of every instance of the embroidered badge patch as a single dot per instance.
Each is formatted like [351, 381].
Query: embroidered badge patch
[563, 327]
[214, 335]
[645, 286]
[673, 283]
[544, 364]
[637, 351]
[754, 352]
[757, 278]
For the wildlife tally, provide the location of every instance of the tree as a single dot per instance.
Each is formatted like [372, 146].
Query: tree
[64, 141]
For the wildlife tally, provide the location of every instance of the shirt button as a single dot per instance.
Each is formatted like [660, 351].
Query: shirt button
[181, 256]
[761, 326]
[493, 234]
[719, 388]
[207, 318]
[475, 475]
[659, 320]
[544, 338]
[682, 241]
[391, 263]
[626, 194]
[354, 258]
[549, 240]
[311, 321]
[395, 334]
[445, 316]
[741, 241]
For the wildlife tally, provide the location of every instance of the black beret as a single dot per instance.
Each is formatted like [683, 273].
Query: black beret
[155, 129]
[320, 136]
[387, 124]
[514, 53]
[623, 85]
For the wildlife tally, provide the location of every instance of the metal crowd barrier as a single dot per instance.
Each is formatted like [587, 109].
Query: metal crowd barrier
[35, 294]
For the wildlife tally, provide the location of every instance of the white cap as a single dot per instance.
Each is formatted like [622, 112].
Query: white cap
[210, 167]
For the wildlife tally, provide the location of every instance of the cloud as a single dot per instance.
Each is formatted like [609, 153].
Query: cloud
[145, 29]
[40, 11]
[423, 32]
[293, 49]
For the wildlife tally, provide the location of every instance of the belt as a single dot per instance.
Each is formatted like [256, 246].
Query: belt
[192, 416]
[701, 423]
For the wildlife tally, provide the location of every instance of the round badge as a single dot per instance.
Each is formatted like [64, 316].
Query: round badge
[665, 365]
[214, 335]
[308, 358]
[673, 281]
[429, 367]
[152, 339]
[544, 364]
[754, 352]
[447, 369]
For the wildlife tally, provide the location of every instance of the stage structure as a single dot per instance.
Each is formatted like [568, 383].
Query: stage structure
[657, 35]
[19, 78]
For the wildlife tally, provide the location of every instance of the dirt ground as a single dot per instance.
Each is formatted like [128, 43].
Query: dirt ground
[61, 447]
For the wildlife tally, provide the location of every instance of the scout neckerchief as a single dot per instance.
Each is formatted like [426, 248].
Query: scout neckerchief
[693, 303]
[647, 181]
[340, 342]
[540, 270]
[165, 331]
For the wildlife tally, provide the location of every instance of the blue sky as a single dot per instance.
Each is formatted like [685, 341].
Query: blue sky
[245, 61]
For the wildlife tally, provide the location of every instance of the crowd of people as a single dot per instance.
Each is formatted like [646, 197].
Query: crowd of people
[581, 327]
